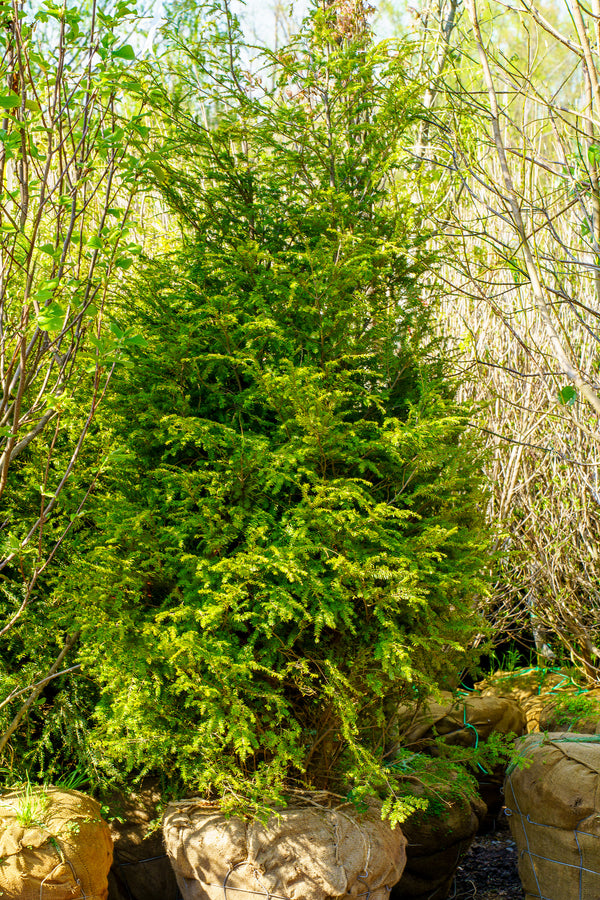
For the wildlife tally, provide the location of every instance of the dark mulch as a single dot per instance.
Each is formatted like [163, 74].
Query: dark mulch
[489, 869]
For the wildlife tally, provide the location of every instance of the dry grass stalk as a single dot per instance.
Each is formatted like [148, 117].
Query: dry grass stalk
[519, 230]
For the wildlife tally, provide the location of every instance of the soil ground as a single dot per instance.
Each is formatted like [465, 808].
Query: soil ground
[489, 869]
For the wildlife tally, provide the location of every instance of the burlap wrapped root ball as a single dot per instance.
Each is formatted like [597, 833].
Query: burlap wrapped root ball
[532, 689]
[141, 869]
[553, 802]
[437, 839]
[54, 845]
[461, 720]
[302, 853]
[464, 721]
[579, 713]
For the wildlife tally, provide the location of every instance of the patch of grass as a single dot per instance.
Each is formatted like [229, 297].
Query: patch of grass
[31, 807]
[571, 710]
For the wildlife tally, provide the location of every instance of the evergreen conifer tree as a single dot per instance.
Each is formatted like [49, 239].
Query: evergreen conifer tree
[290, 541]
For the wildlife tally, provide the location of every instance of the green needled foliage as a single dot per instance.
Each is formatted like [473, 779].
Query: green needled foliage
[289, 540]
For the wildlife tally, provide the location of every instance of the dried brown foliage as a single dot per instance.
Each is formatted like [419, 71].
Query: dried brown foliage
[519, 229]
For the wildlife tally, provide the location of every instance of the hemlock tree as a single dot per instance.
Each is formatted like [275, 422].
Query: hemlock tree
[291, 542]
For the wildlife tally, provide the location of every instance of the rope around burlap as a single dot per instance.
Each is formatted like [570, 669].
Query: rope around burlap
[576, 831]
[265, 891]
[62, 861]
[57, 866]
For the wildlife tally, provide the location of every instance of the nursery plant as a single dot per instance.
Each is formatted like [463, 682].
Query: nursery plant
[289, 541]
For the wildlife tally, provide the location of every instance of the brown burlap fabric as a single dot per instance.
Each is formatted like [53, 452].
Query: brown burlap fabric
[465, 721]
[462, 720]
[436, 841]
[300, 854]
[533, 689]
[553, 803]
[141, 869]
[53, 846]
[581, 714]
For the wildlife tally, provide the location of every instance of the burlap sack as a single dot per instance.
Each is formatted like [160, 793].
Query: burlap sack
[465, 721]
[462, 721]
[437, 839]
[553, 803]
[532, 689]
[53, 846]
[141, 869]
[582, 714]
[301, 854]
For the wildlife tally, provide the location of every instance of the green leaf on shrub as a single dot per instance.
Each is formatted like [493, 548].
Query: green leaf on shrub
[593, 154]
[10, 101]
[124, 52]
[42, 295]
[133, 86]
[136, 340]
[567, 395]
[118, 332]
[51, 318]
